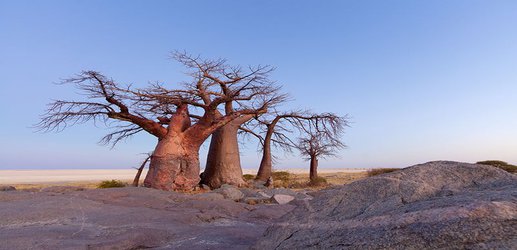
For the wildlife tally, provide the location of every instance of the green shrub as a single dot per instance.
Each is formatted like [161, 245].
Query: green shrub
[111, 184]
[378, 171]
[248, 177]
[500, 164]
[319, 181]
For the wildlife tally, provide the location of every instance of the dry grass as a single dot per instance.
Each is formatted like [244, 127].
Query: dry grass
[289, 180]
[338, 178]
[378, 171]
[83, 184]
[500, 164]
[301, 181]
[248, 177]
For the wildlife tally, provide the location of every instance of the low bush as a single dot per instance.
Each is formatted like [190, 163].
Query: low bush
[299, 185]
[500, 164]
[318, 182]
[281, 176]
[281, 179]
[111, 184]
[283, 184]
[378, 171]
[248, 177]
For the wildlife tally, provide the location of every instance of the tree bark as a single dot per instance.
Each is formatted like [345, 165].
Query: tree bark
[266, 164]
[313, 173]
[136, 180]
[173, 167]
[223, 165]
[175, 160]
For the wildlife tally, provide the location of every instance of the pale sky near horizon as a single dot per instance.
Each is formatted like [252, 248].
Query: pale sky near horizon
[422, 80]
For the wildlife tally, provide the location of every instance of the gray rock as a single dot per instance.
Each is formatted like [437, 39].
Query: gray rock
[299, 195]
[282, 198]
[129, 218]
[227, 186]
[258, 184]
[428, 206]
[205, 187]
[270, 212]
[230, 192]
[7, 188]
[262, 194]
[209, 196]
[253, 196]
[248, 192]
[254, 200]
[285, 191]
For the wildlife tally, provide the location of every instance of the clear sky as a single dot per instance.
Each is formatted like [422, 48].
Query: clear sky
[422, 80]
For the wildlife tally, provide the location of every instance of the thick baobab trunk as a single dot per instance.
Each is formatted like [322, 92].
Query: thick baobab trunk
[173, 166]
[223, 164]
[313, 174]
[175, 161]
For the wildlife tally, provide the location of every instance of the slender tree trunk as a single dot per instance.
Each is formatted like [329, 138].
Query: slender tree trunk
[266, 164]
[313, 174]
[136, 180]
[223, 165]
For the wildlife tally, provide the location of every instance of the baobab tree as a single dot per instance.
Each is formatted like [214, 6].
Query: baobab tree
[318, 144]
[223, 165]
[181, 119]
[277, 128]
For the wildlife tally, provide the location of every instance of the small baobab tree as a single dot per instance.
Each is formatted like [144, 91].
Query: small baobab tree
[317, 143]
[277, 128]
[180, 118]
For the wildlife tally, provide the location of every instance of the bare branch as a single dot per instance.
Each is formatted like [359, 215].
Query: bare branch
[217, 94]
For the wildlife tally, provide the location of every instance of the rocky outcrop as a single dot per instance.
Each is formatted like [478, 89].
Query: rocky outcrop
[432, 205]
[230, 192]
[282, 198]
[130, 218]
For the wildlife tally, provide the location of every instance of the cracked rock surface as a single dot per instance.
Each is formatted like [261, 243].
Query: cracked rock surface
[129, 218]
[428, 206]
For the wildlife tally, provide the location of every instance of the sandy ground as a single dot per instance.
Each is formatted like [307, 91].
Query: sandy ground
[94, 175]
[56, 176]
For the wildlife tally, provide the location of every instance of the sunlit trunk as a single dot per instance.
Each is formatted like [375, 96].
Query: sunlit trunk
[313, 174]
[173, 166]
[266, 164]
[223, 164]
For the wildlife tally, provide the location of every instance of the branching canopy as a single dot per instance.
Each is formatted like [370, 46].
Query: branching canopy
[321, 137]
[282, 126]
[216, 94]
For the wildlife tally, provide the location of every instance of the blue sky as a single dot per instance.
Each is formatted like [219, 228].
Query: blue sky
[422, 80]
